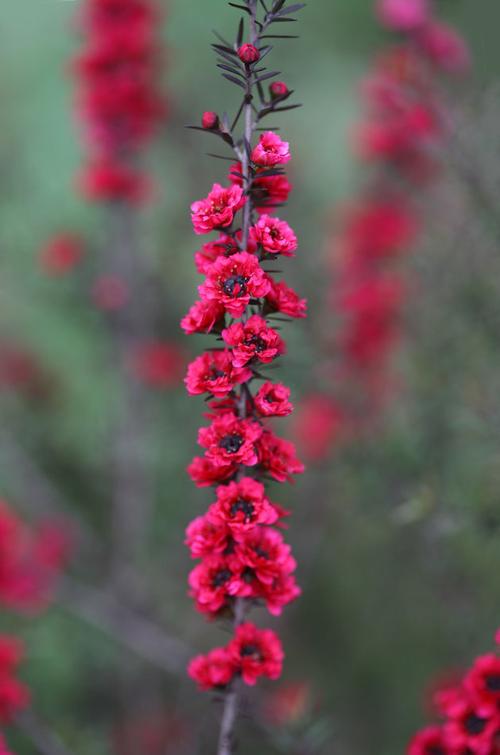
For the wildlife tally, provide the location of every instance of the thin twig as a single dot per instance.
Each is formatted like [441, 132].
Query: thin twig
[136, 632]
[44, 739]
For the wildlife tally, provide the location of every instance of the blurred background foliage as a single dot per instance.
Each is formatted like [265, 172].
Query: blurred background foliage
[397, 535]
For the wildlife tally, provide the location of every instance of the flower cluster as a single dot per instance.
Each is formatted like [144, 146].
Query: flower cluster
[404, 126]
[118, 101]
[243, 557]
[30, 561]
[470, 713]
[14, 695]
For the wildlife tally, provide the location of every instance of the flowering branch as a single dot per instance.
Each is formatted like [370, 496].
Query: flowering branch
[244, 560]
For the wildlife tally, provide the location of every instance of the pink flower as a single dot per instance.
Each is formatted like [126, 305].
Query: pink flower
[158, 364]
[248, 54]
[445, 47]
[403, 15]
[205, 472]
[61, 254]
[230, 440]
[14, 695]
[207, 538]
[212, 671]
[253, 340]
[319, 424]
[232, 282]
[210, 120]
[267, 191]
[284, 299]
[218, 209]
[224, 246]
[427, 741]
[110, 293]
[278, 457]
[109, 181]
[242, 505]
[210, 583]
[271, 150]
[272, 400]
[256, 652]
[202, 317]
[213, 372]
[275, 236]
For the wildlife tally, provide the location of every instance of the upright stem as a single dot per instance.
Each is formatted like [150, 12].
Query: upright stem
[231, 703]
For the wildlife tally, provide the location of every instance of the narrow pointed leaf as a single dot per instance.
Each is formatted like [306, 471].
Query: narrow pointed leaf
[234, 80]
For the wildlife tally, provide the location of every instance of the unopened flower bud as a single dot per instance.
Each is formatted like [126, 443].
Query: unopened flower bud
[248, 54]
[278, 89]
[210, 120]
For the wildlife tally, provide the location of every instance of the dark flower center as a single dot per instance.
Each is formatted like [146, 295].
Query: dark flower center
[235, 286]
[261, 552]
[257, 342]
[250, 650]
[248, 575]
[474, 724]
[215, 374]
[246, 507]
[434, 750]
[493, 683]
[231, 443]
[221, 577]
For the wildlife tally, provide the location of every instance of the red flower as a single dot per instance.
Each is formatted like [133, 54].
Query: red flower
[444, 46]
[205, 472]
[242, 505]
[275, 236]
[3, 747]
[230, 440]
[429, 741]
[380, 229]
[211, 583]
[256, 652]
[224, 246]
[282, 298]
[110, 181]
[234, 281]
[272, 400]
[218, 209]
[61, 254]
[110, 293]
[212, 671]
[158, 364]
[253, 339]
[271, 150]
[203, 317]
[483, 679]
[266, 191]
[206, 538]
[278, 457]
[14, 695]
[319, 424]
[213, 372]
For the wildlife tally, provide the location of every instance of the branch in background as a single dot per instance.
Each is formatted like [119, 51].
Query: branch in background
[124, 625]
[43, 738]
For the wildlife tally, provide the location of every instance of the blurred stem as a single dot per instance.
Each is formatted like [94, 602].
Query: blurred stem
[131, 477]
[126, 626]
[43, 738]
